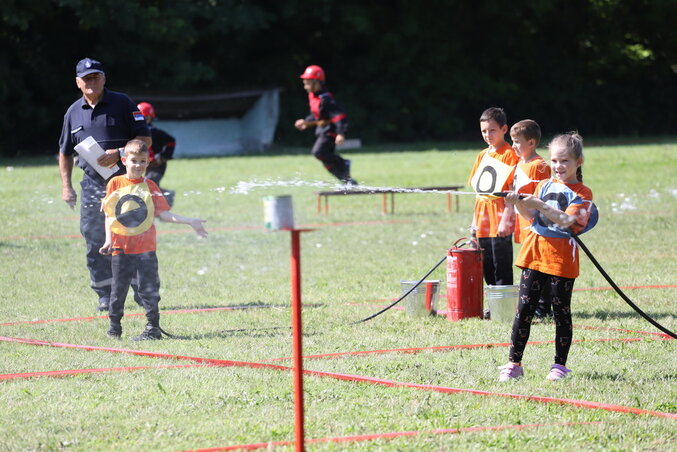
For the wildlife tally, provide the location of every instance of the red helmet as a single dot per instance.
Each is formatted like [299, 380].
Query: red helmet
[146, 109]
[313, 72]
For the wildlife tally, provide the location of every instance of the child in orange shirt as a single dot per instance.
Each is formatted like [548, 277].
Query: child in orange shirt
[549, 255]
[131, 203]
[530, 170]
[493, 221]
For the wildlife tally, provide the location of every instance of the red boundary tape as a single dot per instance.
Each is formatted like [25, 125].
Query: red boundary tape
[454, 347]
[354, 378]
[64, 373]
[392, 435]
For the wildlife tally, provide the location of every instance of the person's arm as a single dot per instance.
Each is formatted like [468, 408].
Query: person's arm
[195, 223]
[300, 124]
[107, 246]
[507, 223]
[337, 115]
[66, 171]
[529, 205]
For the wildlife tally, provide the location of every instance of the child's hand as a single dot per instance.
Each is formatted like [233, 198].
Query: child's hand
[512, 197]
[106, 249]
[300, 124]
[340, 139]
[197, 225]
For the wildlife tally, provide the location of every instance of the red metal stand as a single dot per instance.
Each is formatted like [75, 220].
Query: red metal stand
[297, 335]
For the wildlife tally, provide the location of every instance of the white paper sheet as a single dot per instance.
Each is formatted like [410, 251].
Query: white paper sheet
[90, 150]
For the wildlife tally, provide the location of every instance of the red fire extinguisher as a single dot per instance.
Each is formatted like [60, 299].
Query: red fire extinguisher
[464, 280]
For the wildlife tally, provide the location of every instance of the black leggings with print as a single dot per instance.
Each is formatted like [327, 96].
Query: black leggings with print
[532, 283]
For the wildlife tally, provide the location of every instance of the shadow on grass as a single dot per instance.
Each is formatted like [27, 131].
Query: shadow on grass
[619, 376]
[266, 332]
[255, 305]
[611, 315]
[4, 244]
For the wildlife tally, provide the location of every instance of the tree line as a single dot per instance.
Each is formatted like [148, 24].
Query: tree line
[405, 71]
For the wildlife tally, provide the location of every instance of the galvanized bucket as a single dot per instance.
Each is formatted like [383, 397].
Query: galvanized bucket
[502, 302]
[422, 301]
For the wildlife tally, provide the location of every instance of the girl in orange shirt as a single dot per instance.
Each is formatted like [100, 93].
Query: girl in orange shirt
[549, 255]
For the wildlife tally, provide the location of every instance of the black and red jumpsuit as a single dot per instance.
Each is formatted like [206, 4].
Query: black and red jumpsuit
[324, 107]
[163, 147]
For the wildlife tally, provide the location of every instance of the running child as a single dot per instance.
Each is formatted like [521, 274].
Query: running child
[549, 256]
[493, 221]
[330, 122]
[131, 204]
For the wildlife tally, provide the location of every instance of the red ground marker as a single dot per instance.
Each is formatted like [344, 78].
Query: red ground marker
[354, 378]
[65, 373]
[454, 347]
[392, 435]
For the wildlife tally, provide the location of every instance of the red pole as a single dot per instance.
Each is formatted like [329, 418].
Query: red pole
[297, 336]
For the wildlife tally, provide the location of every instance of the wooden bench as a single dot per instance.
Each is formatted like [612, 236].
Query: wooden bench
[384, 192]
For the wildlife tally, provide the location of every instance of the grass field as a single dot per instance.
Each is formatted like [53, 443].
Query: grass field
[354, 257]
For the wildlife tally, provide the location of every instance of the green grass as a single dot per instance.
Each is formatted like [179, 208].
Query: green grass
[352, 257]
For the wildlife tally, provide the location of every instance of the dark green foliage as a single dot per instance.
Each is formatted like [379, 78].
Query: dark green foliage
[404, 70]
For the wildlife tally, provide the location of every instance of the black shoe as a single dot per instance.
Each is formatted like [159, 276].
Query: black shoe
[114, 331]
[151, 333]
[103, 305]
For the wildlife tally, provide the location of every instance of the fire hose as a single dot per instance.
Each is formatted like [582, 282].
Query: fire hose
[403, 296]
[587, 252]
[618, 289]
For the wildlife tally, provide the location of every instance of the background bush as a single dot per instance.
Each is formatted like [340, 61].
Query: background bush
[404, 70]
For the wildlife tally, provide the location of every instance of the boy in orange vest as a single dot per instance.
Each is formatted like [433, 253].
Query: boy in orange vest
[531, 169]
[131, 204]
[493, 221]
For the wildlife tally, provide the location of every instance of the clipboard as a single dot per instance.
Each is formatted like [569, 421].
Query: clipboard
[90, 150]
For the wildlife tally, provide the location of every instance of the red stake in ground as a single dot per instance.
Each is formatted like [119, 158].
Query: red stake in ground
[297, 335]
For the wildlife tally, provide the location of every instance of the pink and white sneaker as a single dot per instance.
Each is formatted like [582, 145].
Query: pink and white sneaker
[510, 371]
[557, 372]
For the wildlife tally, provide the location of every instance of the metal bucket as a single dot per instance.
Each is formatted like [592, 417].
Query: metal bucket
[421, 302]
[278, 213]
[502, 302]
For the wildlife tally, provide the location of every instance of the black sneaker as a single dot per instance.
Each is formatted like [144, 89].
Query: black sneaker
[151, 333]
[103, 305]
[114, 331]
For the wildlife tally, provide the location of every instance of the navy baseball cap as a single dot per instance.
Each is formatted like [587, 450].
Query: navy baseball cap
[88, 66]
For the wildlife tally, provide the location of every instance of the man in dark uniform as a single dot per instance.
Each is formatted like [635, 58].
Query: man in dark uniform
[161, 151]
[112, 119]
[330, 124]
